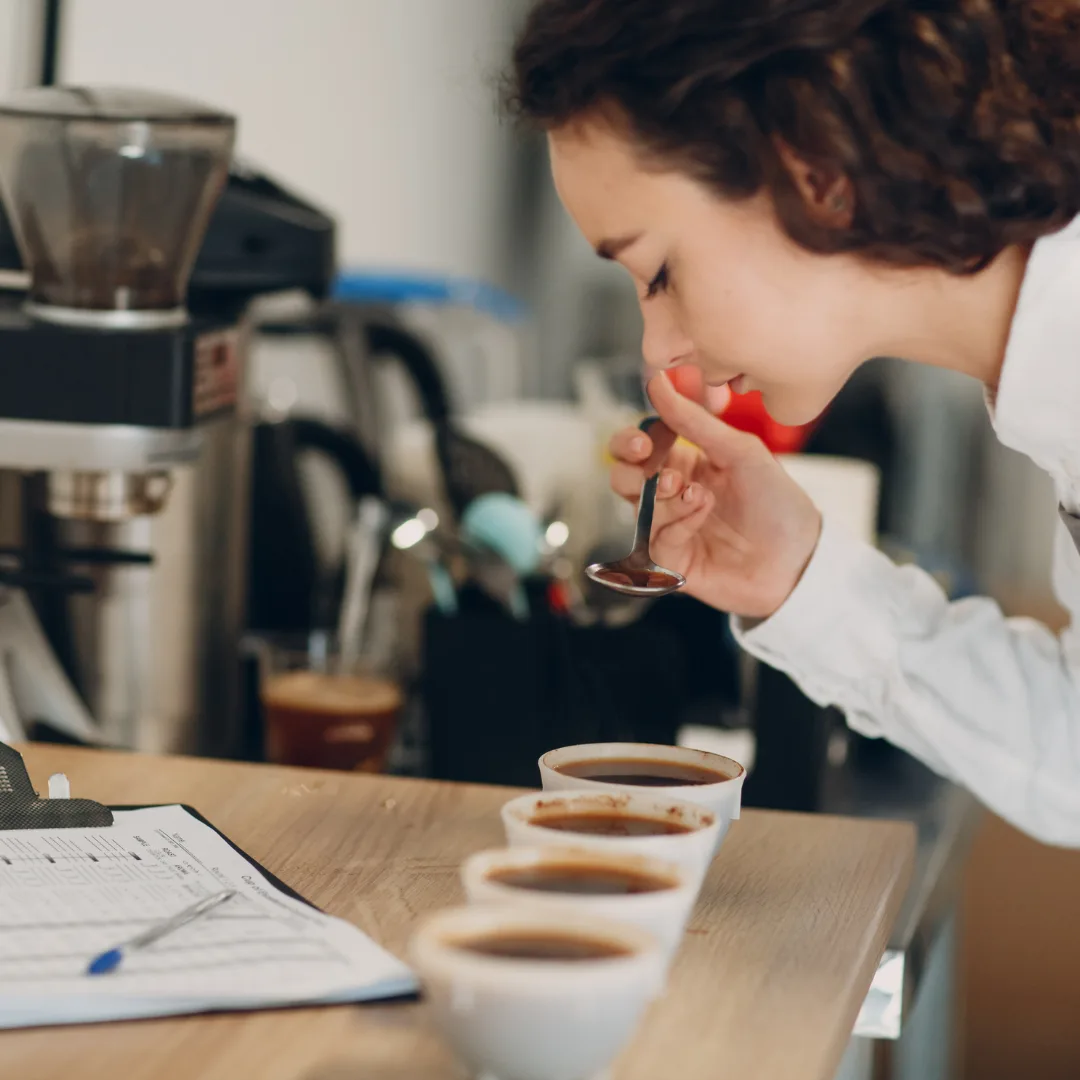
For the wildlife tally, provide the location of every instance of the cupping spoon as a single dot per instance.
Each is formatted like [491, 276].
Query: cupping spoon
[637, 574]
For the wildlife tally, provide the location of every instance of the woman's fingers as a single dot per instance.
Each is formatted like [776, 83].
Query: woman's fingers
[670, 484]
[682, 518]
[634, 446]
[626, 480]
[630, 445]
[720, 442]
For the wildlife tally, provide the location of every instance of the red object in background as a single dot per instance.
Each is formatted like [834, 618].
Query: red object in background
[745, 412]
[558, 597]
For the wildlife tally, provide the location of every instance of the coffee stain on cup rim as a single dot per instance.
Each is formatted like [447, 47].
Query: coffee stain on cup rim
[691, 816]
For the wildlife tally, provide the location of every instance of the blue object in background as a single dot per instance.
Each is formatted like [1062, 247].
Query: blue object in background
[395, 287]
[443, 590]
[506, 526]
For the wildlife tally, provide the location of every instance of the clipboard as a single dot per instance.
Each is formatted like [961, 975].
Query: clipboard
[94, 871]
[21, 807]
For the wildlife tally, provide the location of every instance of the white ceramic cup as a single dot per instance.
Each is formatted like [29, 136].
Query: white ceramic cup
[523, 819]
[723, 798]
[535, 1019]
[663, 912]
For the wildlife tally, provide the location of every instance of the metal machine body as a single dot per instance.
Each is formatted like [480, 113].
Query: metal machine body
[156, 518]
[124, 436]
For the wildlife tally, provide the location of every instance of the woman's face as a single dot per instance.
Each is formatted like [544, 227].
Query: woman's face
[721, 285]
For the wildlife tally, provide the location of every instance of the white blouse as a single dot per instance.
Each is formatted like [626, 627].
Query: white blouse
[990, 702]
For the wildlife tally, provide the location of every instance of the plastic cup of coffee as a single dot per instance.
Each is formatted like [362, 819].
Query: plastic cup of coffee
[522, 993]
[317, 715]
[676, 772]
[624, 822]
[655, 895]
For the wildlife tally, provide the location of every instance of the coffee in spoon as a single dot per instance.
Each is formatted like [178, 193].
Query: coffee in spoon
[638, 574]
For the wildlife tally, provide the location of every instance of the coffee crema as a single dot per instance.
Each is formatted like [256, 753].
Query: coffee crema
[330, 721]
[324, 694]
[580, 879]
[608, 824]
[643, 772]
[543, 945]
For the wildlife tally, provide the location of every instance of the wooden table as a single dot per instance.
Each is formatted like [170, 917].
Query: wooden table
[778, 958]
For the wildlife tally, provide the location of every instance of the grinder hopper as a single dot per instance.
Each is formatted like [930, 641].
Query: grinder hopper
[109, 192]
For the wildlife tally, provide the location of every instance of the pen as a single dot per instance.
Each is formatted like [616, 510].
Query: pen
[112, 958]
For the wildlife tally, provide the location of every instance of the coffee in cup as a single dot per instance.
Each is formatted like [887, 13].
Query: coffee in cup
[647, 892]
[598, 823]
[522, 992]
[643, 772]
[629, 822]
[592, 877]
[547, 945]
[330, 721]
[678, 772]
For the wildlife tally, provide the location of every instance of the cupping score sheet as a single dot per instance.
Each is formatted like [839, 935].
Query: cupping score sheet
[67, 895]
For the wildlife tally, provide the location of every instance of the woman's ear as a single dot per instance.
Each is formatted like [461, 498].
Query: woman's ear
[827, 194]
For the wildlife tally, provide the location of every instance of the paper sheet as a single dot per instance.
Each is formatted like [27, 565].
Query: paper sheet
[67, 895]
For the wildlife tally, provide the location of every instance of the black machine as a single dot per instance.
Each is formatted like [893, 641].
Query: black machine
[259, 239]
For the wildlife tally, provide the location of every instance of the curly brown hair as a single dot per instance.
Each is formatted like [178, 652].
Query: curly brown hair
[956, 122]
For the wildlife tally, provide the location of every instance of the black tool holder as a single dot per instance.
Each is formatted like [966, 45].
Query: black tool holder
[791, 763]
[22, 808]
[499, 693]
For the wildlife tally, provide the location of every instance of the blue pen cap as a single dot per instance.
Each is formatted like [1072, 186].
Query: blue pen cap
[106, 963]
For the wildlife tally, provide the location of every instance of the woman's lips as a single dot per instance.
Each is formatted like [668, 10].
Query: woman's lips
[718, 394]
[714, 394]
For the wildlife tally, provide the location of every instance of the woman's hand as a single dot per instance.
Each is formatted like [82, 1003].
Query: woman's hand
[728, 517]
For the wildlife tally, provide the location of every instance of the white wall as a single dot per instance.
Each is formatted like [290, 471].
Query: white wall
[20, 44]
[379, 110]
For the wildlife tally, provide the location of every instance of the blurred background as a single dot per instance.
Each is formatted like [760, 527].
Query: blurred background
[426, 384]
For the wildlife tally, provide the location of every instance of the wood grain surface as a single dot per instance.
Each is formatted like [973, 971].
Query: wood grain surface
[778, 957]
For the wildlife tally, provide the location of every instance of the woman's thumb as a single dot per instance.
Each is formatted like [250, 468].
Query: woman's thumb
[692, 421]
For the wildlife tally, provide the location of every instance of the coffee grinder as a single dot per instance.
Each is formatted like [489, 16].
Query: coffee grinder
[124, 444]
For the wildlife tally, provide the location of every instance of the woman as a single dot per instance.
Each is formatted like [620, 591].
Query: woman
[797, 186]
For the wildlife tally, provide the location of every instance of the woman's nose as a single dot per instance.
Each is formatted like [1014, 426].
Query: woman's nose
[662, 343]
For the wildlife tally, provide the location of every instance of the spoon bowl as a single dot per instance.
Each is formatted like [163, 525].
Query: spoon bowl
[637, 574]
[648, 580]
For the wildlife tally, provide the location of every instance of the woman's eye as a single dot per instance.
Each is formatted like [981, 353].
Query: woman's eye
[658, 283]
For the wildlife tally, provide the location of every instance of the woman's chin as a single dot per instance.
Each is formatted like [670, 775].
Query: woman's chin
[792, 410]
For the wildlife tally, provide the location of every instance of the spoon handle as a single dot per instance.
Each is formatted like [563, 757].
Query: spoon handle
[663, 439]
[643, 530]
